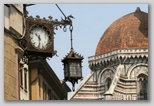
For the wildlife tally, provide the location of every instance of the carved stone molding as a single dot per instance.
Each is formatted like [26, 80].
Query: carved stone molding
[120, 55]
[105, 73]
[137, 69]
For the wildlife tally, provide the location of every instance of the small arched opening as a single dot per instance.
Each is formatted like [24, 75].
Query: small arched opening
[142, 84]
[107, 84]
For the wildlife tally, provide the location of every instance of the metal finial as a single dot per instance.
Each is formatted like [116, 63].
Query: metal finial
[138, 9]
[50, 17]
[38, 16]
[44, 18]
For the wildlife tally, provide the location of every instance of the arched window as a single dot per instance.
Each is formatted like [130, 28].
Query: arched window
[142, 87]
[107, 84]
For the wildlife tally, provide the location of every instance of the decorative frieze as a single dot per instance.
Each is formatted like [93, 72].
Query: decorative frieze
[121, 54]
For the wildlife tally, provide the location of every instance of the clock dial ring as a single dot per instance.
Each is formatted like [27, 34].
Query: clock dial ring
[40, 37]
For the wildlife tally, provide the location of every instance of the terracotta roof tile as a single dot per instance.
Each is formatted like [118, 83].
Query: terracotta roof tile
[129, 31]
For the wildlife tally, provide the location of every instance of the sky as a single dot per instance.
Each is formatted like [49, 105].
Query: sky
[91, 21]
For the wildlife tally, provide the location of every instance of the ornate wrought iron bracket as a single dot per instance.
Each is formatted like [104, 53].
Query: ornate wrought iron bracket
[63, 23]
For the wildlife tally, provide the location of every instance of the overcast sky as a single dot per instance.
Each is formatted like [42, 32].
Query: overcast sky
[91, 20]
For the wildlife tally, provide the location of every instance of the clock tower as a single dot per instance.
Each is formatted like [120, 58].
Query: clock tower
[39, 37]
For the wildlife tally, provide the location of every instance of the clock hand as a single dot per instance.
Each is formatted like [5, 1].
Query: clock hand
[39, 44]
[38, 36]
[38, 39]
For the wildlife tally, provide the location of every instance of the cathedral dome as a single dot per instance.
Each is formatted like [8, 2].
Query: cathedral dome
[129, 31]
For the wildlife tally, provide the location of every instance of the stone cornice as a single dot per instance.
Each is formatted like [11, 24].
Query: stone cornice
[116, 54]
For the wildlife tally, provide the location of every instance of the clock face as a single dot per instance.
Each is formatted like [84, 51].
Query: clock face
[39, 38]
